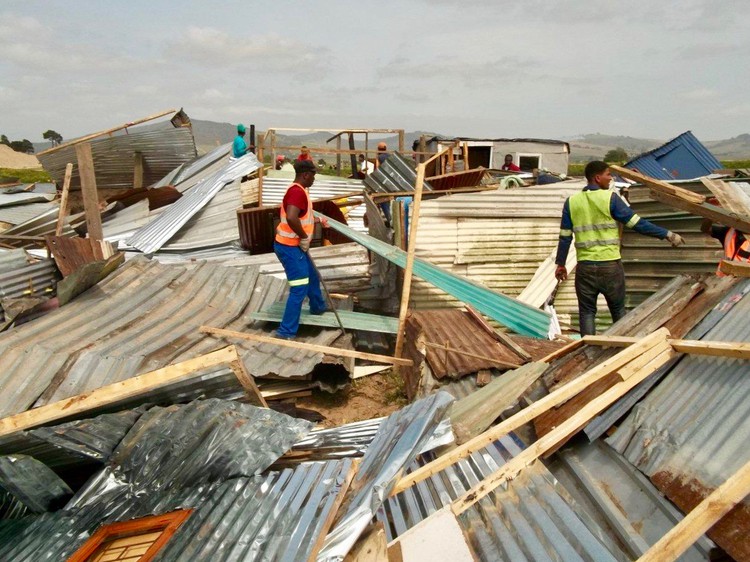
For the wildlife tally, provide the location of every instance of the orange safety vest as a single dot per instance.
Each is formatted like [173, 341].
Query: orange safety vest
[284, 233]
[732, 251]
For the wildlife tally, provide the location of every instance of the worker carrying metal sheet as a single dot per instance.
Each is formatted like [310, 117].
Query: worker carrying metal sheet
[293, 236]
[592, 216]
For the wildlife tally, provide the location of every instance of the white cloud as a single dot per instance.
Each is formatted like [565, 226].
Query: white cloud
[700, 94]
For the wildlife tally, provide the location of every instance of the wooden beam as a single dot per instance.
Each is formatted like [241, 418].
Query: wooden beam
[659, 185]
[335, 351]
[448, 349]
[562, 394]
[567, 348]
[734, 350]
[706, 210]
[409, 269]
[735, 268]
[142, 385]
[248, 382]
[561, 433]
[88, 190]
[704, 516]
[105, 132]
[138, 170]
[64, 199]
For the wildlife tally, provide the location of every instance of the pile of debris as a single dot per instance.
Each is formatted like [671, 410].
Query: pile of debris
[147, 413]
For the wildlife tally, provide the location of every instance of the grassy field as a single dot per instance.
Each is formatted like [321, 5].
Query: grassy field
[25, 176]
[575, 169]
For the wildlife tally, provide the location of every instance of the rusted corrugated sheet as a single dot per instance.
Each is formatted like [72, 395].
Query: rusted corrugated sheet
[114, 158]
[466, 178]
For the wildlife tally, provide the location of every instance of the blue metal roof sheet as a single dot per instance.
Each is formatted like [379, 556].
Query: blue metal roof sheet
[684, 157]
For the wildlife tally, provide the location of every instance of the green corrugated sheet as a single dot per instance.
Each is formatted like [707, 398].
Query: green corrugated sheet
[350, 320]
[519, 317]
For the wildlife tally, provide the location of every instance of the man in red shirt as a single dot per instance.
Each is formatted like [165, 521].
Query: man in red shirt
[508, 165]
[293, 236]
[304, 154]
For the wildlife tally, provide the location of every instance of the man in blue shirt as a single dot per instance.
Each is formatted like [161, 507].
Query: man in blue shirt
[592, 216]
[239, 146]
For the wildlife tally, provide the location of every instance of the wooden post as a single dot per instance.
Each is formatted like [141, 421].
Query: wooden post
[138, 171]
[88, 190]
[338, 155]
[261, 170]
[273, 146]
[64, 199]
[466, 156]
[352, 155]
[422, 148]
[704, 516]
[401, 140]
[406, 291]
[261, 143]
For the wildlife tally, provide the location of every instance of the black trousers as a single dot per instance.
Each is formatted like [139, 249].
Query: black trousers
[592, 279]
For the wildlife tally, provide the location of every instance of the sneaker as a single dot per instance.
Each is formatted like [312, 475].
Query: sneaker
[279, 336]
[319, 312]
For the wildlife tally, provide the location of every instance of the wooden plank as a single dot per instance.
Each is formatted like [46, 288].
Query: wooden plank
[371, 547]
[704, 516]
[88, 190]
[138, 170]
[557, 436]
[738, 269]
[141, 385]
[731, 197]
[92, 136]
[567, 348]
[706, 210]
[735, 350]
[64, 199]
[248, 383]
[565, 392]
[658, 185]
[334, 351]
[333, 511]
[409, 269]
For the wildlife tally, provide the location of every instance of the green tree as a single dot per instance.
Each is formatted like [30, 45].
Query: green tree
[53, 136]
[4, 140]
[616, 155]
[24, 145]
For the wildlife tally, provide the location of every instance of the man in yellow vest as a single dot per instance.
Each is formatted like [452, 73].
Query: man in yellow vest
[293, 236]
[592, 216]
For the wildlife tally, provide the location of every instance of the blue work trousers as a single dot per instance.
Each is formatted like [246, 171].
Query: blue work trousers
[303, 281]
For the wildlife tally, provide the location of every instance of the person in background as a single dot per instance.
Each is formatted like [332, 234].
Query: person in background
[293, 236]
[592, 216]
[382, 154]
[279, 161]
[365, 167]
[239, 146]
[735, 243]
[508, 164]
[304, 155]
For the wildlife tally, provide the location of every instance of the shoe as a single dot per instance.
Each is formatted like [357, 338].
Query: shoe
[319, 312]
[278, 336]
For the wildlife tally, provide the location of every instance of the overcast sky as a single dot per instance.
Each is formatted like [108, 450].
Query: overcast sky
[535, 68]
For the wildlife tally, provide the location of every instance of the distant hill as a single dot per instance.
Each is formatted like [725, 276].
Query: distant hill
[737, 148]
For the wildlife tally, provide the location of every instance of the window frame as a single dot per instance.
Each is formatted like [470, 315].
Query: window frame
[167, 523]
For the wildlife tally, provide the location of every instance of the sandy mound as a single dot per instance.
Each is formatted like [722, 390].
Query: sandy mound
[9, 158]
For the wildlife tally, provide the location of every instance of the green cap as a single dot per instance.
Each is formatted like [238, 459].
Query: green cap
[241, 129]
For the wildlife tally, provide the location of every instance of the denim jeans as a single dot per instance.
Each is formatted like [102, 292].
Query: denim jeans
[595, 278]
[297, 267]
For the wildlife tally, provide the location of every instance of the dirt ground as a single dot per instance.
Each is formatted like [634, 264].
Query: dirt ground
[369, 397]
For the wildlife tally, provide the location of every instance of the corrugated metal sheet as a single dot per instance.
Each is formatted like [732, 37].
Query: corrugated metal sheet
[198, 167]
[44, 223]
[24, 198]
[350, 320]
[158, 232]
[401, 437]
[397, 173]
[518, 316]
[213, 225]
[623, 501]
[32, 483]
[691, 432]
[683, 157]
[162, 149]
[533, 519]
[466, 178]
[19, 214]
[142, 317]
[11, 260]
[31, 279]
